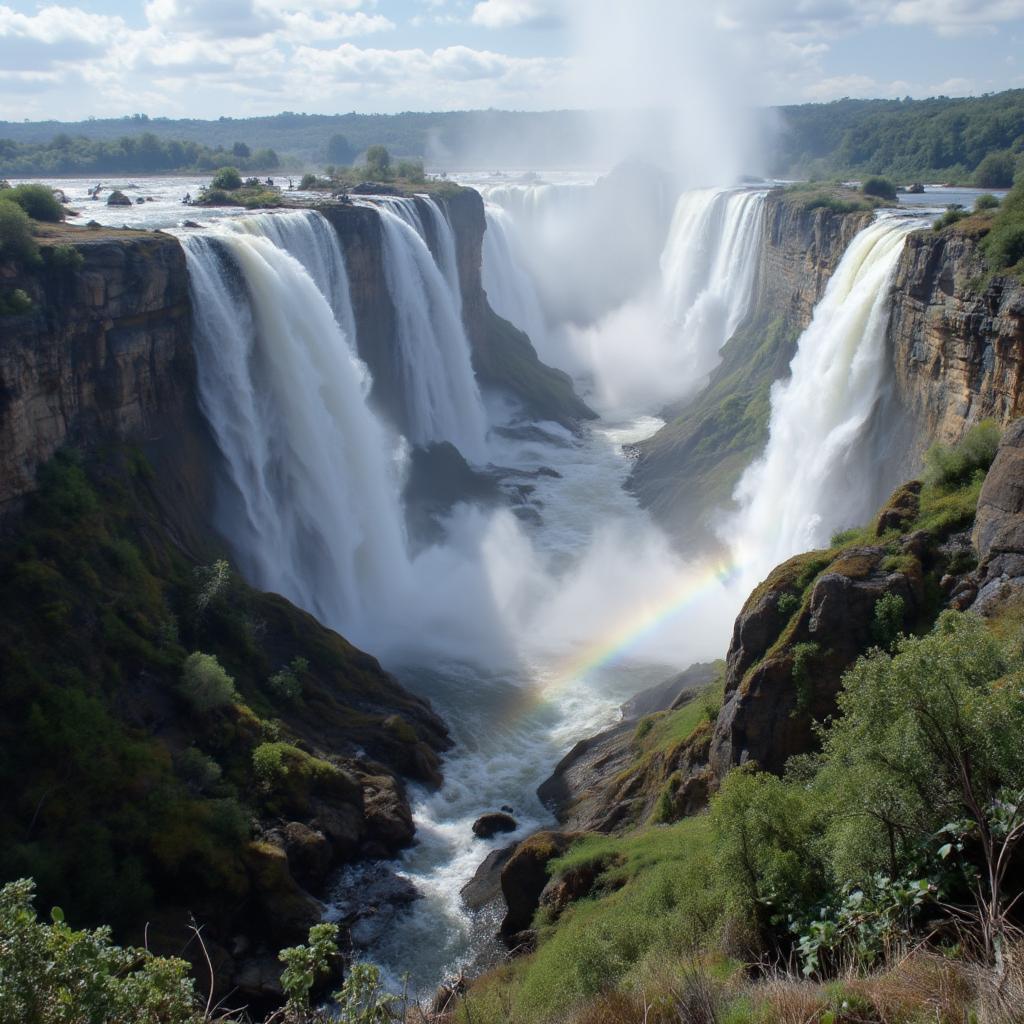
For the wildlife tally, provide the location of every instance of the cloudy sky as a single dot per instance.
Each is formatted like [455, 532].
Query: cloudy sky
[205, 58]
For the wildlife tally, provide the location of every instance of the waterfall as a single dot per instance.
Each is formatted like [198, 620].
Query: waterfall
[312, 507]
[831, 429]
[510, 289]
[709, 269]
[309, 237]
[443, 236]
[440, 394]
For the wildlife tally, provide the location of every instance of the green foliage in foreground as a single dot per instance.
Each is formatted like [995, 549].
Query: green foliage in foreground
[38, 201]
[948, 467]
[52, 974]
[842, 861]
[16, 242]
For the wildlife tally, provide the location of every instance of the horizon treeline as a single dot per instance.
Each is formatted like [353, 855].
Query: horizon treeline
[974, 140]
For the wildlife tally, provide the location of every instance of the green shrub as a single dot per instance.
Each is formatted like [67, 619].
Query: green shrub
[65, 257]
[309, 181]
[986, 202]
[227, 178]
[887, 623]
[16, 241]
[948, 466]
[803, 657]
[411, 171]
[285, 684]
[38, 201]
[205, 684]
[199, 772]
[954, 212]
[378, 162]
[14, 302]
[51, 974]
[788, 603]
[881, 188]
[995, 170]
[1004, 244]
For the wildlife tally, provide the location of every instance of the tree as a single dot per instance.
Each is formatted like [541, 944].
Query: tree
[995, 171]
[929, 736]
[241, 150]
[378, 161]
[38, 201]
[227, 178]
[16, 241]
[340, 151]
[882, 188]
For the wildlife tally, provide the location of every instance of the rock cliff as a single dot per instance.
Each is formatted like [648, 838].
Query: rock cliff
[686, 472]
[104, 352]
[957, 337]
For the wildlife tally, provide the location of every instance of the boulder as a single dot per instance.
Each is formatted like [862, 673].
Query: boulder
[485, 885]
[288, 910]
[525, 875]
[309, 853]
[118, 198]
[489, 825]
[388, 817]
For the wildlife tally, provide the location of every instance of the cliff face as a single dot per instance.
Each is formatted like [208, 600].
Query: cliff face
[104, 353]
[957, 347]
[688, 470]
[503, 357]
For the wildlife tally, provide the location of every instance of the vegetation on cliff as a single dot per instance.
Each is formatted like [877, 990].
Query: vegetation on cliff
[872, 879]
[160, 719]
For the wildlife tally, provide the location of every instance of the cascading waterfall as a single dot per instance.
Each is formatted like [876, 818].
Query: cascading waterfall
[510, 290]
[824, 466]
[709, 269]
[314, 511]
[441, 397]
[309, 237]
[444, 238]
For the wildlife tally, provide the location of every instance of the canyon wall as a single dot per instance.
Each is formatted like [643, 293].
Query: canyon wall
[686, 472]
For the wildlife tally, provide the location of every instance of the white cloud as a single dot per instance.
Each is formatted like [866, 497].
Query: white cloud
[513, 13]
[956, 17]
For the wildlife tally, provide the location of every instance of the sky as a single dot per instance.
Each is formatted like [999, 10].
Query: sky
[208, 58]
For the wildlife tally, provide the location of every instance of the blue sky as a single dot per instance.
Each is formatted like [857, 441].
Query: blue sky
[205, 58]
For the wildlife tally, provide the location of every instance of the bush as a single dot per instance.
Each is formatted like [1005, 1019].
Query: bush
[954, 212]
[65, 257]
[228, 179]
[16, 241]
[286, 684]
[947, 466]
[309, 181]
[14, 302]
[986, 202]
[411, 170]
[378, 162]
[995, 170]
[205, 684]
[199, 772]
[887, 623]
[881, 188]
[51, 974]
[37, 201]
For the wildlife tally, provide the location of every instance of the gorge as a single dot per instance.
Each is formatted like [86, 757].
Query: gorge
[620, 444]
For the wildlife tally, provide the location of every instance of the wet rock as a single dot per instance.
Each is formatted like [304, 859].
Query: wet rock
[489, 825]
[388, 817]
[485, 885]
[309, 853]
[342, 824]
[367, 900]
[118, 198]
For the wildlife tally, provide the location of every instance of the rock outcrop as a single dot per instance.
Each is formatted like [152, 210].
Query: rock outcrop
[998, 534]
[105, 352]
[957, 337]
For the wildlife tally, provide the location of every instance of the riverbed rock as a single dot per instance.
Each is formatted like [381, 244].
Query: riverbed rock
[288, 910]
[485, 885]
[489, 825]
[118, 198]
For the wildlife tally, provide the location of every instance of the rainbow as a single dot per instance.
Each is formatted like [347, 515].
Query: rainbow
[616, 644]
